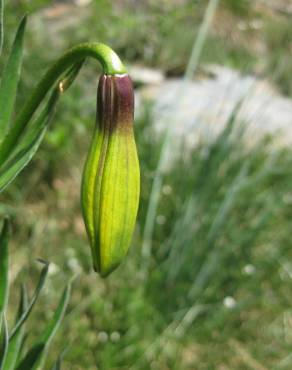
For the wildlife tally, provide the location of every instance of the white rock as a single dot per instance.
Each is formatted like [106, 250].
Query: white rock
[145, 75]
[203, 107]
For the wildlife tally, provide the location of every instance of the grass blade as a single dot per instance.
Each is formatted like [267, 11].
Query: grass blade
[15, 344]
[4, 267]
[26, 313]
[213, 258]
[168, 136]
[57, 364]
[1, 24]
[58, 316]
[10, 78]
[4, 344]
[35, 357]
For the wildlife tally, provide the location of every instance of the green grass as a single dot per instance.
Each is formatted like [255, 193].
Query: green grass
[222, 231]
[279, 65]
[239, 7]
[222, 228]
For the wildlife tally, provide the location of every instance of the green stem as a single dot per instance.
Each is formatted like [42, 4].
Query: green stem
[111, 65]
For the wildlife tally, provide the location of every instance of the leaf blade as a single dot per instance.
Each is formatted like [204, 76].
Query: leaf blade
[32, 139]
[4, 267]
[15, 344]
[24, 316]
[35, 357]
[10, 79]
[4, 345]
[57, 364]
[1, 24]
[29, 144]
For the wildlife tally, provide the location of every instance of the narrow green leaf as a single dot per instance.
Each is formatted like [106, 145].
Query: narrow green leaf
[22, 347]
[15, 344]
[1, 24]
[10, 78]
[18, 162]
[28, 309]
[4, 344]
[41, 122]
[54, 324]
[34, 134]
[45, 117]
[32, 357]
[29, 144]
[57, 364]
[70, 76]
[35, 357]
[23, 303]
[4, 267]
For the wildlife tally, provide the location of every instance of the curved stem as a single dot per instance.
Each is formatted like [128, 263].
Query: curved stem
[111, 65]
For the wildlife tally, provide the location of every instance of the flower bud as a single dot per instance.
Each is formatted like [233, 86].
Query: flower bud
[111, 178]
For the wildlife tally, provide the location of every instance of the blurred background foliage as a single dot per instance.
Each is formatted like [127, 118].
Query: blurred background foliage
[217, 294]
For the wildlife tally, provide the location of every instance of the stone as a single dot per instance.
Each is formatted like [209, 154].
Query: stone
[192, 109]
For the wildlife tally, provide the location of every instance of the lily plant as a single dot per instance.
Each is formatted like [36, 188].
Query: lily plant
[110, 181]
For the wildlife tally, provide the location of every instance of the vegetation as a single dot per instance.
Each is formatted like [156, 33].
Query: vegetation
[215, 291]
[14, 354]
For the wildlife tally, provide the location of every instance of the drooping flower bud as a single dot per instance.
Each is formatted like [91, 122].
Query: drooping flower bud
[111, 178]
